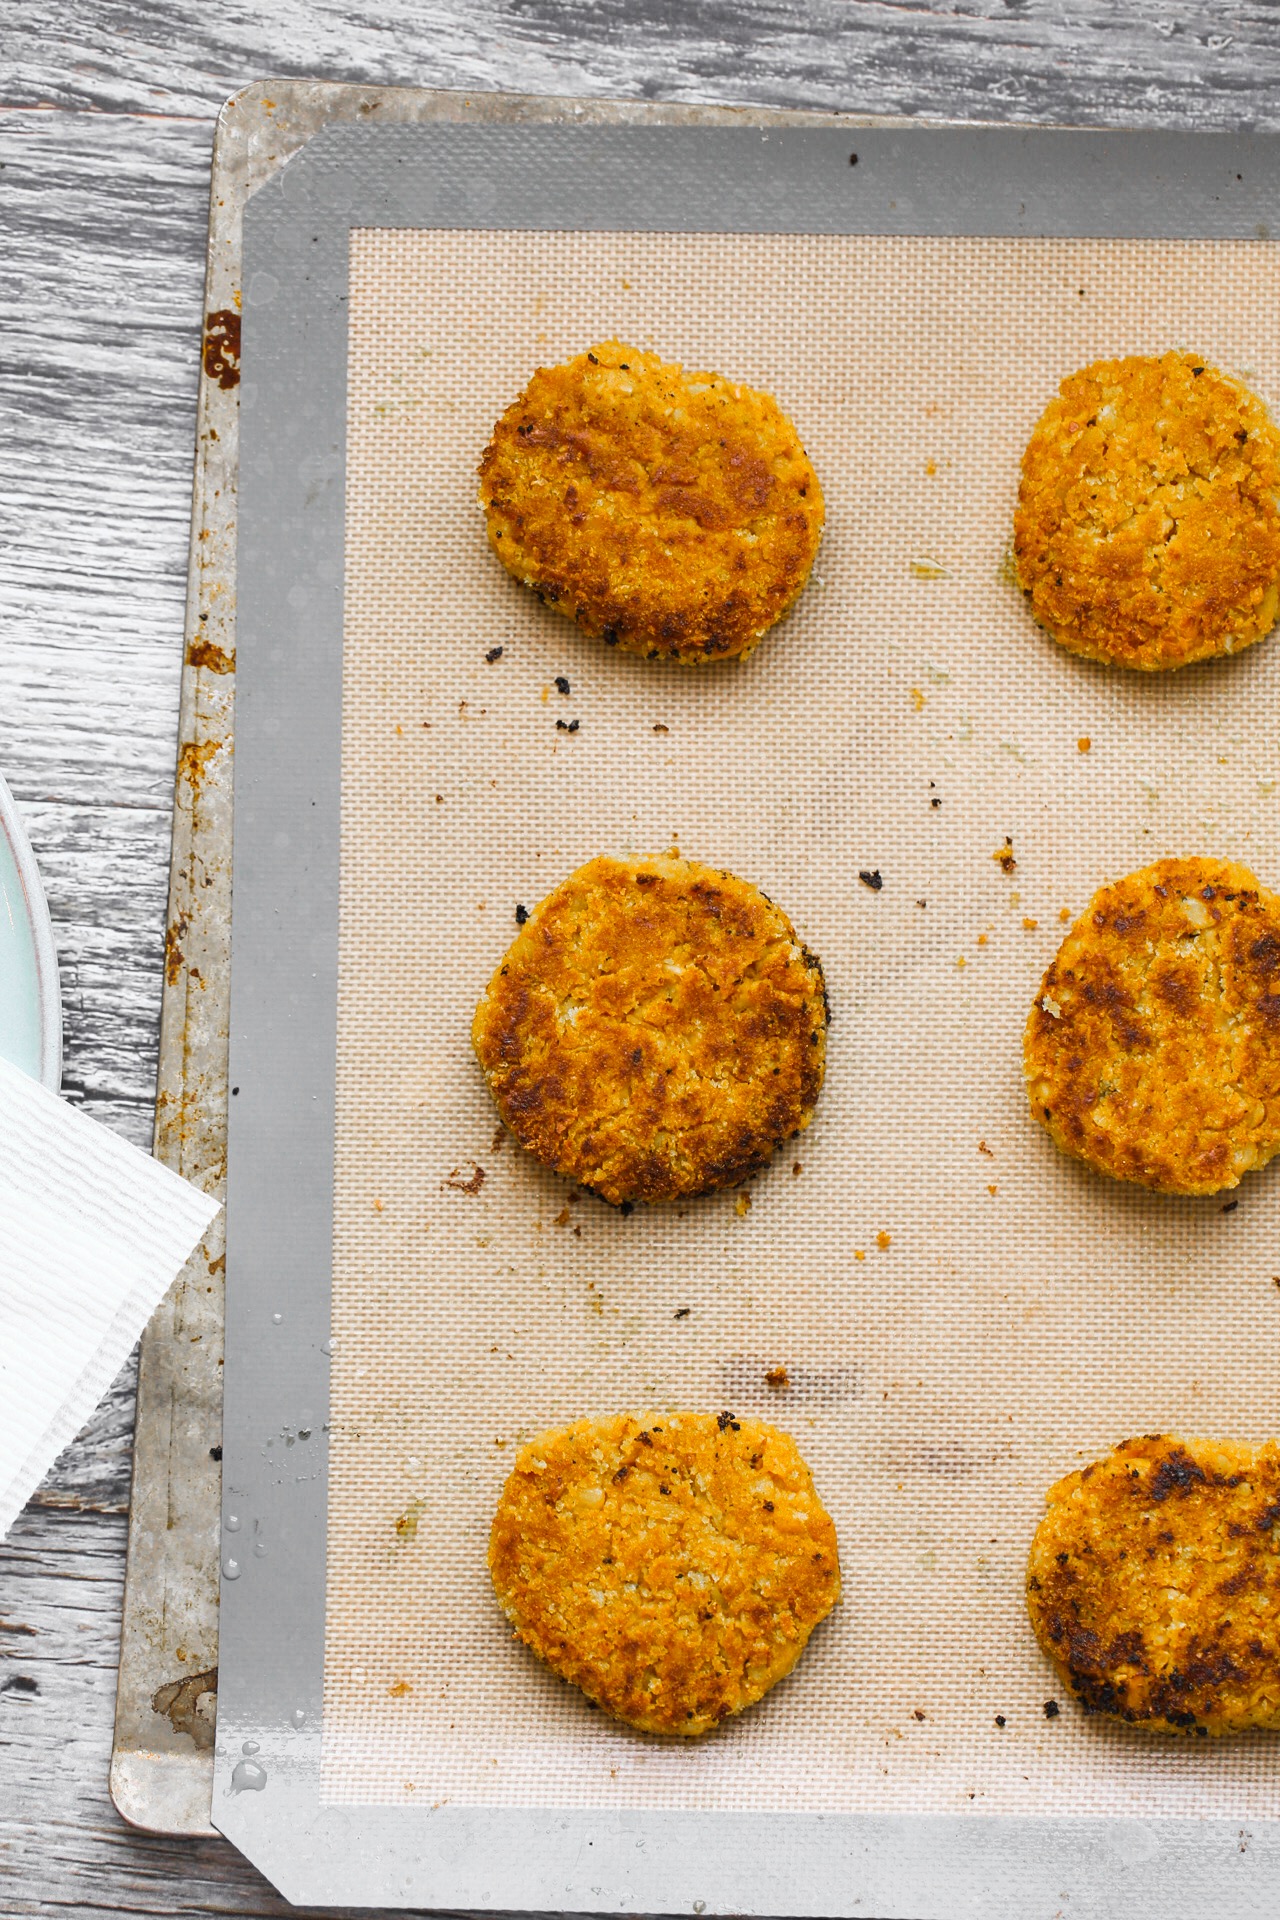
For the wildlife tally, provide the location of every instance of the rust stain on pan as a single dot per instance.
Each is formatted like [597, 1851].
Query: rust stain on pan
[190, 1705]
[222, 347]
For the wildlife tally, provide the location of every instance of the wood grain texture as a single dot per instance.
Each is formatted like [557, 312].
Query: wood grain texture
[106, 117]
[1198, 63]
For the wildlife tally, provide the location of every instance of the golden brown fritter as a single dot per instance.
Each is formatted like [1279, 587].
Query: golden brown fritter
[655, 1030]
[672, 514]
[1147, 531]
[1153, 1047]
[673, 1567]
[1154, 1584]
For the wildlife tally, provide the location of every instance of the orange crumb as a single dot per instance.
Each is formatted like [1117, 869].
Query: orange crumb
[742, 1205]
[982, 939]
[1003, 857]
[1064, 914]
[931, 467]
[398, 1689]
[859, 1254]
[991, 1190]
[562, 1218]
[377, 1206]
[884, 1242]
[1029, 924]
[1083, 744]
[917, 699]
[961, 961]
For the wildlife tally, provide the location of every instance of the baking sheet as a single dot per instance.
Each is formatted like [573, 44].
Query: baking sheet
[943, 1379]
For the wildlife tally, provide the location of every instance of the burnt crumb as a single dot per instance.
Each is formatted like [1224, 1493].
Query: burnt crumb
[645, 1439]
[591, 357]
[471, 1185]
[236, 1090]
[494, 653]
[726, 1419]
[562, 685]
[215, 1453]
[627, 1207]
[1178, 1470]
[682, 1313]
[566, 726]
[872, 879]
[1003, 856]
[20, 1683]
[1000, 1720]
[777, 1377]
[918, 1713]
[853, 159]
[1051, 1709]
[1196, 372]
[1230, 1206]
[922, 903]
[768, 1506]
[659, 728]
[934, 801]
[522, 914]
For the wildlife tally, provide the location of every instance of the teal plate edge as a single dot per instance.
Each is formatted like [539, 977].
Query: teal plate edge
[30, 988]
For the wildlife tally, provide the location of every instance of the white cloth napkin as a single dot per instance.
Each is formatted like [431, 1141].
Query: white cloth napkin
[92, 1234]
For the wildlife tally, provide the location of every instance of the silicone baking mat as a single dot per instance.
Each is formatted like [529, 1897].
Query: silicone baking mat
[962, 1313]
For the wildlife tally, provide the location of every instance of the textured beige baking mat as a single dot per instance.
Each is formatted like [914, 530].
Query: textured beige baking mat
[963, 1314]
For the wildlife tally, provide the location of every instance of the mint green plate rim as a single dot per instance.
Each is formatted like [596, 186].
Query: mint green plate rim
[30, 988]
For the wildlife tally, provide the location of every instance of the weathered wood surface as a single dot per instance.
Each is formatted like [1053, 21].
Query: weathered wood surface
[105, 128]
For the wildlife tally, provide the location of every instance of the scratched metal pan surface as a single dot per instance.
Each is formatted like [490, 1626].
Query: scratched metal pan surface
[434, 1840]
[166, 1701]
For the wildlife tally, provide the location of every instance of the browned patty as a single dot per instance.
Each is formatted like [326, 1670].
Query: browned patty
[1153, 1047]
[1154, 1584]
[672, 514]
[655, 1030]
[1147, 531]
[673, 1567]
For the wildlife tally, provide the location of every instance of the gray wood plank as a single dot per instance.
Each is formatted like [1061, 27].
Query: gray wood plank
[105, 128]
[1200, 63]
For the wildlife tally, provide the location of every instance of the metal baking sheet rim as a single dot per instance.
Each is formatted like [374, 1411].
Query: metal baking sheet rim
[267, 1792]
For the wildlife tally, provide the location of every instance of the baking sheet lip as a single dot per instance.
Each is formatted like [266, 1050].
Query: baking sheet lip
[266, 1673]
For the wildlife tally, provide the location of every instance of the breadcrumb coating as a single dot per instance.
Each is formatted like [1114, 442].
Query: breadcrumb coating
[671, 1566]
[1147, 531]
[655, 1030]
[1154, 1584]
[672, 514]
[1153, 1047]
